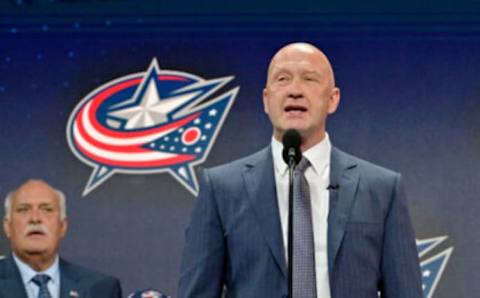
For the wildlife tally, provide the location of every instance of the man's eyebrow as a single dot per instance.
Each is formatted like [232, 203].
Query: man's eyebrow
[279, 69]
[313, 71]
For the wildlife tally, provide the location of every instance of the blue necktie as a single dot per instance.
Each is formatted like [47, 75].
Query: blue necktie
[304, 284]
[41, 280]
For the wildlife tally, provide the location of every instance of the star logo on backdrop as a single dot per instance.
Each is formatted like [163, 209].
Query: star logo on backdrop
[432, 268]
[152, 122]
[148, 294]
[150, 109]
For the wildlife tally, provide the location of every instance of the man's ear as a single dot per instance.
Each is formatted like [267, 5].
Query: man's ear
[64, 227]
[334, 100]
[6, 227]
[265, 100]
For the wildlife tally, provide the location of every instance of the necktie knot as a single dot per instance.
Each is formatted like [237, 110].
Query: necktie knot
[41, 279]
[302, 165]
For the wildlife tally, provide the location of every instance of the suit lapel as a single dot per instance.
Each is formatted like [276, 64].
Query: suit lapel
[259, 180]
[68, 281]
[344, 173]
[11, 284]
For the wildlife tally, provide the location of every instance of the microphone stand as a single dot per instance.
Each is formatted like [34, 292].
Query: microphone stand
[291, 166]
[291, 155]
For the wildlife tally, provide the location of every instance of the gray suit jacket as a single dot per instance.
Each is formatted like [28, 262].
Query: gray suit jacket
[234, 239]
[73, 279]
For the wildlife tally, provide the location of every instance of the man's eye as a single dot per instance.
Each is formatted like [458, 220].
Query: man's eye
[22, 210]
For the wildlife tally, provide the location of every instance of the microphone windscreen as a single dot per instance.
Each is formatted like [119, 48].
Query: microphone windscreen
[291, 139]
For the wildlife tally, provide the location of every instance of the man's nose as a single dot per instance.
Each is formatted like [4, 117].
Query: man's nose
[35, 216]
[295, 95]
[296, 89]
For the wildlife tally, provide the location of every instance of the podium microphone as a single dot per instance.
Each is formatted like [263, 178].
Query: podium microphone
[291, 155]
[291, 147]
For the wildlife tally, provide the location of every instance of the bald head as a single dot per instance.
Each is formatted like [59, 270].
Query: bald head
[305, 49]
[300, 92]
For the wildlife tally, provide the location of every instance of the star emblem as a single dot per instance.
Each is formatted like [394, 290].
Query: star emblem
[149, 122]
[149, 108]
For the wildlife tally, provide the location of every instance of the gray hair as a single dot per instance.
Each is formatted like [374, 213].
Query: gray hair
[61, 200]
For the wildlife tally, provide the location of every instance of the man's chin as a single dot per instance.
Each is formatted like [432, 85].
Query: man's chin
[301, 129]
[37, 249]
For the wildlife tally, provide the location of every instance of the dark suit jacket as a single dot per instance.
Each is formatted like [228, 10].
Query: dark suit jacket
[234, 238]
[73, 278]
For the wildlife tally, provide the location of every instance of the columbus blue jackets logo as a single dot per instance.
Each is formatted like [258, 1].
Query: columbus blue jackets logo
[150, 122]
[432, 267]
[148, 294]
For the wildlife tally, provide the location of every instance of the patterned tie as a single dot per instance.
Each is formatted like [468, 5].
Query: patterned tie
[304, 284]
[41, 281]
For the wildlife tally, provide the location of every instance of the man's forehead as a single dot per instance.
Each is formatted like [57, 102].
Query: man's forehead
[37, 200]
[35, 192]
[288, 65]
[306, 57]
[303, 58]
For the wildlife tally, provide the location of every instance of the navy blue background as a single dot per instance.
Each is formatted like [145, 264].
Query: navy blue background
[410, 83]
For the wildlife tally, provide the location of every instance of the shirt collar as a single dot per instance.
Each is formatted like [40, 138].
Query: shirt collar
[28, 273]
[318, 155]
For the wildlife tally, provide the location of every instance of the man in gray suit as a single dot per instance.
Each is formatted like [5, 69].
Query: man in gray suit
[363, 243]
[35, 221]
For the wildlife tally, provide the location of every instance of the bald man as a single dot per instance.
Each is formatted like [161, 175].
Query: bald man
[363, 243]
[35, 221]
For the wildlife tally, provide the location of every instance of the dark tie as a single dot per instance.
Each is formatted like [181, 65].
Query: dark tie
[304, 284]
[41, 281]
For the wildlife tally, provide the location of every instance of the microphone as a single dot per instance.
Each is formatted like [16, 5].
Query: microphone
[333, 187]
[291, 147]
[291, 155]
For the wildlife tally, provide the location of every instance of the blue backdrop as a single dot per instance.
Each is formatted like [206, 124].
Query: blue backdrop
[410, 101]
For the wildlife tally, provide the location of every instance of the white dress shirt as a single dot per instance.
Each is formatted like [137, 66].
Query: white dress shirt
[318, 177]
[28, 273]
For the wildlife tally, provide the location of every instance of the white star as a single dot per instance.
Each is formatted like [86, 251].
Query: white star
[212, 113]
[203, 138]
[208, 125]
[198, 150]
[151, 110]
[182, 171]
[426, 273]
[197, 121]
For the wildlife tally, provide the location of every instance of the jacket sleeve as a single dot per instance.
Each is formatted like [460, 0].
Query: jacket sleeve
[400, 265]
[202, 270]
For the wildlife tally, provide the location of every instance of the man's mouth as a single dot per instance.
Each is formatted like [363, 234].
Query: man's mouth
[35, 233]
[295, 110]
